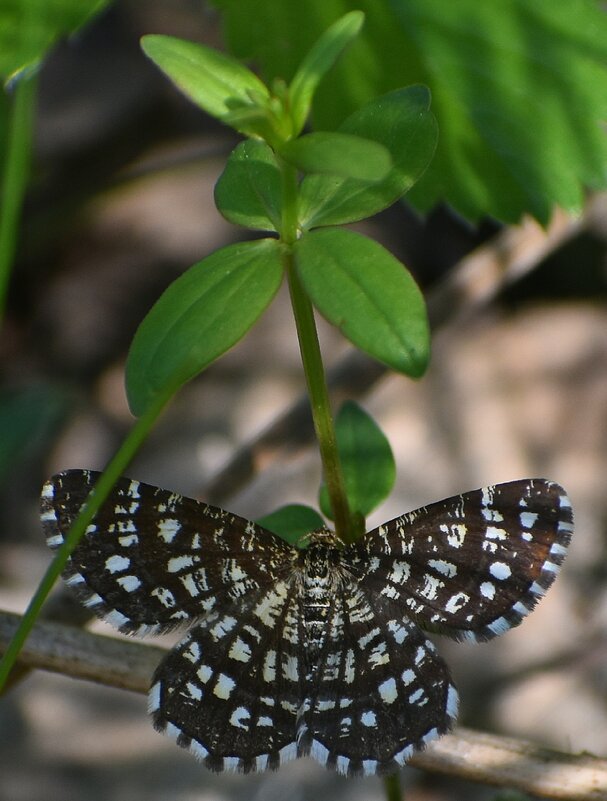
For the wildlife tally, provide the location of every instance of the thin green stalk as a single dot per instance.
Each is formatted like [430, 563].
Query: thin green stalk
[312, 364]
[127, 450]
[16, 175]
[392, 787]
[319, 401]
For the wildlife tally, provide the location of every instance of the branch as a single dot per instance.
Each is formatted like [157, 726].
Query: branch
[467, 754]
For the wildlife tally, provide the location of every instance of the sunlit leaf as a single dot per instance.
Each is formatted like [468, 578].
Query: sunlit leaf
[366, 459]
[248, 191]
[199, 317]
[519, 89]
[368, 294]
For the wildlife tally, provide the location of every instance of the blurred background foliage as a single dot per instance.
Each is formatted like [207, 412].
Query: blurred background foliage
[119, 204]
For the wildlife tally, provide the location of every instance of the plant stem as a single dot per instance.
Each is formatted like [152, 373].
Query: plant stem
[312, 364]
[392, 787]
[123, 456]
[16, 174]
[319, 402]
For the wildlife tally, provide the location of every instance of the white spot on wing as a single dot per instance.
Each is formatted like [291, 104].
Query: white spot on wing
[431, 587]
[444, 568]
[287, 752]
[402, 756]
[319, 752]
[129, 583]
[499, 626]
[408, 676]
[154, 698]
[398, 632]
[456, 602]
[192, 652]
[165, 596]
[204, 673]
[223, 688]
[388, 691]
[172, 731]
[168, 529]
[240, 717]
[190, 585]
[520, 609]
[494, 533]
[93, 600]
[198, 750]
[240, 651]
[178, 563]
[116, 619]
[117, 563]
[416, 696]
[341, 764]
[194, 691]
[368, 718]
[452, 702]
[500, 570]
[528, 519]
[269, 666]
[223, 627]
[456, 534]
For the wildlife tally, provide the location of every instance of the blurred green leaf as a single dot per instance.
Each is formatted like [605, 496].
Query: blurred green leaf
[366, 459]
[213, 80]
[317, 62]
[199, 317]
[338, 154]
[291, 522]
[359, 287]
[248, 191]
[403, 123]
[28, 28]
[27, 419]
[519, 89]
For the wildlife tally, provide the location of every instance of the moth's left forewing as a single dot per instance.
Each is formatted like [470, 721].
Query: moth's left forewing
[152, 559]
[471, 566]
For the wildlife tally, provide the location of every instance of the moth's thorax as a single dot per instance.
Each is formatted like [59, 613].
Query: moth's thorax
[322, 572]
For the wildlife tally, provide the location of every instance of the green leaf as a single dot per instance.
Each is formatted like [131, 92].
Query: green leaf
[402, 122]
[368, 294]
[366, 460]
[29, 418]
[199, 317]
[248, 191]
[292, 522]
[213, 80]
[318, 62]
[28, 28]
[338, 154]
[519, 89]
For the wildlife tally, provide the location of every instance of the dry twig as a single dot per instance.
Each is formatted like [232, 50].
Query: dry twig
[466, 754]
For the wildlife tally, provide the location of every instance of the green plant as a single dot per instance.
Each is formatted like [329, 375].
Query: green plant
[518, 89]
[28, 28]
[298, 187]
